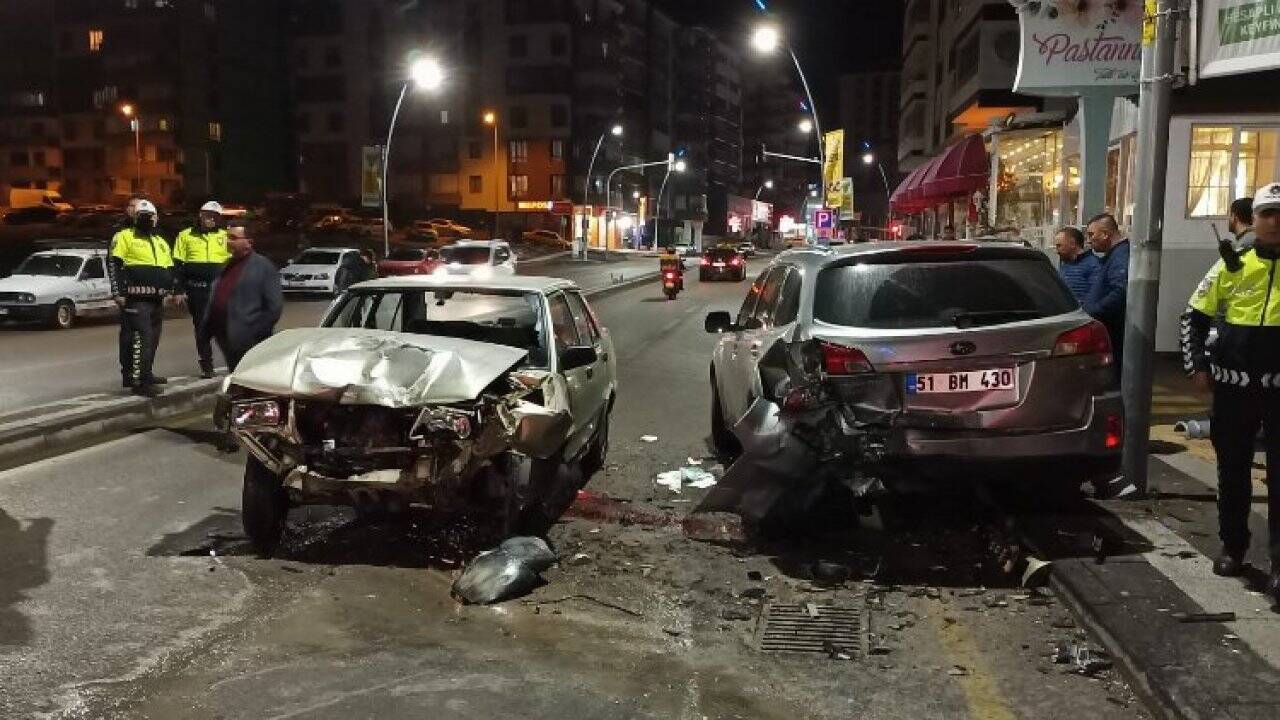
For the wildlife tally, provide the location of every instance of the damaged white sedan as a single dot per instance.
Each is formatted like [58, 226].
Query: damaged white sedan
[453, 394]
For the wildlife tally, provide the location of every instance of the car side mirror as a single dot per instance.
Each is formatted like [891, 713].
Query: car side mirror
[578, 356]
[718, 322]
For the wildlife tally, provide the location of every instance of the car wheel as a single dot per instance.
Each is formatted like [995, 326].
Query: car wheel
[63, 316]
[554, 486]
[724, 442]
[264, 505]
[594, 459]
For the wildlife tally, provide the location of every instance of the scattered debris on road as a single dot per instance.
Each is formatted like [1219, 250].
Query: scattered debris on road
[691, 475]
[648, 438]
[1205, 617]
[509, 571]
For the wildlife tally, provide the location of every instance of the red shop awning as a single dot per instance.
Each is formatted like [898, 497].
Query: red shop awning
[959, 170]
[903, 199]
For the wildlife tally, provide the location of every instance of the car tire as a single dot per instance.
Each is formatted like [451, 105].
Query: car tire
[554, 484]
[63, 316]
[264, 505]
[722, 439]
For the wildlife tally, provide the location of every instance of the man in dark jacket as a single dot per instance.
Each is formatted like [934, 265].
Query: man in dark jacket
[245, 301]
[198, 254]
[1076, 265]
[1108, 296]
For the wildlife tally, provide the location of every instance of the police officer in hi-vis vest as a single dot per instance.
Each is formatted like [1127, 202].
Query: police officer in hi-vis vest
[198, 254]
[141, 279]
[1243, 369]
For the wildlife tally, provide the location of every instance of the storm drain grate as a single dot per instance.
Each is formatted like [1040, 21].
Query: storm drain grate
[812, 628]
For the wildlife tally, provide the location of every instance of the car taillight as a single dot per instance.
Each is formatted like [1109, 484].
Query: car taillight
[670, 276]
[1090, 339]
[736, 261]
[706, 261]
[843, 360]
[1115, 432]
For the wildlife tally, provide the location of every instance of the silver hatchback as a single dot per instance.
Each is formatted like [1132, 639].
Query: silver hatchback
[919, 356]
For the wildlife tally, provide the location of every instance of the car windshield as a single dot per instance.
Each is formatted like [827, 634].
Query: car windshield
[939, 294]
[511, 318]
[407, 255]
[317, 257]
[55, 265]
[466, 255]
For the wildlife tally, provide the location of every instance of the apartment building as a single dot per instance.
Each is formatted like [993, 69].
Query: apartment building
[869, 116]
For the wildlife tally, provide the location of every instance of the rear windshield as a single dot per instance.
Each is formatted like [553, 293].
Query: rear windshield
[474, 255]
[940, 294]
[316, 257]
[721, 254]
[407, 255]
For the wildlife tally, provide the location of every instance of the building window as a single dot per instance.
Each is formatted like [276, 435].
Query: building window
[444, 117]
[519, 116]
[215, 131]
[557, 187]
[95, 40]
[519, 150]
[518, 46]
[474, 151]
[166, 154]
[105, 96]
[476, 184]
[559, 116]
[559, 45]
[210, 12]
[557, 149]
[335, 122]
[163, 124]
[18, 158]
[1228, 162]
[519, 186]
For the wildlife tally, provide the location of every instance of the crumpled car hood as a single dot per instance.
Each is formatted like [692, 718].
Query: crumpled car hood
[373, 367]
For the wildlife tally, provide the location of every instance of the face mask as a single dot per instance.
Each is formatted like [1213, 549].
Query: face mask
[208, 223]
[147, 222]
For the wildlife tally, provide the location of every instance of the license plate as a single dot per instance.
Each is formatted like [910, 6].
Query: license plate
[995, 380]
[719, 265]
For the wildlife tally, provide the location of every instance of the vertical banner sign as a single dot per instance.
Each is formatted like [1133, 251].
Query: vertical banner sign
[1071, 47]
[371, 176]
[1239, 36]
[846, 207]
[833, 168]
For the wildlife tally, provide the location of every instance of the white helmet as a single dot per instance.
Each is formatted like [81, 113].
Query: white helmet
[145, 206]
[211, 206]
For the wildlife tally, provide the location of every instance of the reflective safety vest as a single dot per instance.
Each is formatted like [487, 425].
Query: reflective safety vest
[1247, 353]
[193, 246]
[141, 265]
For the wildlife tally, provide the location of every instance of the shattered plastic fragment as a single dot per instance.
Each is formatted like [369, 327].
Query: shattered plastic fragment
[509, 571]
[649, 438]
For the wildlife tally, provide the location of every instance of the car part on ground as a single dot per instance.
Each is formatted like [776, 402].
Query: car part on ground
[508, 571]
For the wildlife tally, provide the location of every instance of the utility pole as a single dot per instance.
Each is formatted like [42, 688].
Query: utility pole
[1138, 372]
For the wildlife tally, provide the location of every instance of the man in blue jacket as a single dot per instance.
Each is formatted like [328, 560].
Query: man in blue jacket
[1076, 265]
[1108, 295]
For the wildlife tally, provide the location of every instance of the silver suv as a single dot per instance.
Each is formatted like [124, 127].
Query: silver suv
[927, 356]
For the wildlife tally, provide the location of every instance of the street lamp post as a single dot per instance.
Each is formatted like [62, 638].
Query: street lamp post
[491, 119]
[135, 123]
[678, 166]
[427, 75]
[608, 184]
[616, 131]
[767, 184]
[767, 39]
[870, 158]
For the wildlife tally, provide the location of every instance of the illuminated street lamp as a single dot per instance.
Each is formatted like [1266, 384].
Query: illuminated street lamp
[767, 39]
[135, 124]
[670, 162]
[678, 166]
[428, 75]
[491, 119]
[616, 131]
[766, 185]
[869, 158]
[805, 126]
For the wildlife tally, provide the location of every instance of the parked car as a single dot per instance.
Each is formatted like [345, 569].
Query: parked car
[722, 264]
[940, 356]
[446, 228]
[58, 287]
[322, 270]
[461, 395]
[746, 249]
[32, 215]
[421, 232]
[481, 258]
[685, 249]
[409, 261]
[546, 238]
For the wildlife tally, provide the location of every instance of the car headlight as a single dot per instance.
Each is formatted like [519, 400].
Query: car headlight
[256, 414]
[322, 276]
[26, 297]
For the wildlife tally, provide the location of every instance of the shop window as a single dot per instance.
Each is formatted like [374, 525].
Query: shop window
[1228, 162]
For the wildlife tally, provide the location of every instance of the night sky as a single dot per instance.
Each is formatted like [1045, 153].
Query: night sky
[831, 37]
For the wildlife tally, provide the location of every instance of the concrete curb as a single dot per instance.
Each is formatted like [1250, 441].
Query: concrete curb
[84, 419]
[75, 421]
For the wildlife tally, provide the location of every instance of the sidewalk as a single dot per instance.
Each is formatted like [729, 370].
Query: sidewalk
[1135, 569]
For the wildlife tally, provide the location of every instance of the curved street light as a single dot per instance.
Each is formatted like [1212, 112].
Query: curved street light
[869, 158]
[678, 166]
[670, 162]
[428, 75]
[490, 118]
[616, 131]
[766, 185]
[766, 39]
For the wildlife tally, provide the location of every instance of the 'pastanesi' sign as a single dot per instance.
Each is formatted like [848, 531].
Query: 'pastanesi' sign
[1074, 46]
[1239, 36]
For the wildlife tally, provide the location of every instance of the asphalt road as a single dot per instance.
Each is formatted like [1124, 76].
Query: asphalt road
[112, 605]
[39, 366]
